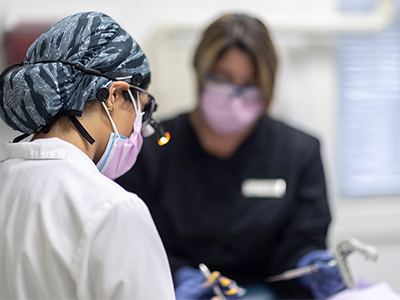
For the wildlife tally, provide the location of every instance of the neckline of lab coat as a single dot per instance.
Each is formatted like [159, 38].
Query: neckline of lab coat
[46, 149]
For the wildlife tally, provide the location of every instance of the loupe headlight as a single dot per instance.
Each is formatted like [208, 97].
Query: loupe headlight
[153, 126]
[149, 125]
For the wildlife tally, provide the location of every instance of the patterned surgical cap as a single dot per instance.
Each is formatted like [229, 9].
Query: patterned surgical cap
[33, 94]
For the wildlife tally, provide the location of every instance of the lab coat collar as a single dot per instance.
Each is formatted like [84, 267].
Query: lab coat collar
[47, 149]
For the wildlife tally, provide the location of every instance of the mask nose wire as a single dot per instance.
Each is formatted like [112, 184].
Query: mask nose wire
[239, 89]
[239, 93]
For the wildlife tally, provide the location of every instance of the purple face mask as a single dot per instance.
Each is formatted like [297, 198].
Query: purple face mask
[121, 152]
[228, 108]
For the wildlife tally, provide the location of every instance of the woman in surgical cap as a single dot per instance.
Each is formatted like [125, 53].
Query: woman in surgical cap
[236, 189]
[67, 230]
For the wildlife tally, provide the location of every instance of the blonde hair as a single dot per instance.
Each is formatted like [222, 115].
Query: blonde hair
[245, 32]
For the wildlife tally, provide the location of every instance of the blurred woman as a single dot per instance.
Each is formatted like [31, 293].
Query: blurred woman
[235, 189]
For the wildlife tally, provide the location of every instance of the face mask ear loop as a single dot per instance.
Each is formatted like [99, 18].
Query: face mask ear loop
[137, 107]
[112, 122]
[139, 104]
[140, 108]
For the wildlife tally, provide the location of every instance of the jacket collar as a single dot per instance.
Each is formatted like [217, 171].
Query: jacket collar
[45, 149]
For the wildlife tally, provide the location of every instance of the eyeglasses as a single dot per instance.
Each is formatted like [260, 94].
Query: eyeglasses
[151, 105]
[149, 124]
[149, 109]
[221, 80]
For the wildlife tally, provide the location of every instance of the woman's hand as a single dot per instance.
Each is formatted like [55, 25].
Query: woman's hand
[190, 284]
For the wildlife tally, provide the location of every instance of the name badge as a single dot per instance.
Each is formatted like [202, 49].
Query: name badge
[264, 188]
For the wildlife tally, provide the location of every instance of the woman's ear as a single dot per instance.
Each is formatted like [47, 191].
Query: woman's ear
[116, 93]
[116, 89]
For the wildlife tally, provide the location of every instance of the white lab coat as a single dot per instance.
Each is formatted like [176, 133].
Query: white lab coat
[68, 232]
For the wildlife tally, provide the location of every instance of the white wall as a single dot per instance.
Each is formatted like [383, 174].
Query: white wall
[305, 96]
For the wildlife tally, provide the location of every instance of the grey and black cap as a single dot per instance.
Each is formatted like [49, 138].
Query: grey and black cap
[46, 86]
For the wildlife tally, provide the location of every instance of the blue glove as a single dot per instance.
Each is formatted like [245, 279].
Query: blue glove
[326, 281]
[190, 284]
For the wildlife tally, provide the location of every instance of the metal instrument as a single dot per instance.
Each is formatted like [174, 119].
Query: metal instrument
[341, 252]
[207, 274]
[346, 247]
[298, 272]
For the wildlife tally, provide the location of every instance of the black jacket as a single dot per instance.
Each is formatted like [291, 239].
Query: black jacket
[197, 203]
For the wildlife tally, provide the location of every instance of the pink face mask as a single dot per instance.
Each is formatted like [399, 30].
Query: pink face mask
[121, 152]
[228, 108]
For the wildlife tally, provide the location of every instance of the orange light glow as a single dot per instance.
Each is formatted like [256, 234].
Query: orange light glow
[164, 139]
